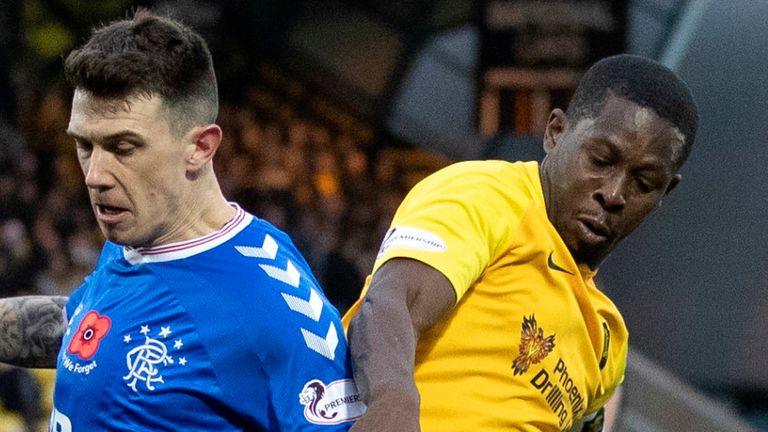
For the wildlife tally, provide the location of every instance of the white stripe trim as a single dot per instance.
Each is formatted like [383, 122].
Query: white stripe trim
[180, 251]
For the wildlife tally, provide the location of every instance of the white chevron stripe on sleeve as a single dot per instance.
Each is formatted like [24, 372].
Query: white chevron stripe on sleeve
[312, 308]
[289, 276]
[323, 346]
[267, 250]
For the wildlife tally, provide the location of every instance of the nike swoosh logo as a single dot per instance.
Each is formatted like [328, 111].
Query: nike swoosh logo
[551, 264]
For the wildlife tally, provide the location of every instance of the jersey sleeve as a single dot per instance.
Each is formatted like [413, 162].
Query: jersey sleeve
[613, 362]
[74, 300]
[297, 337]
[459, 220]
[312, 388]
[108, 252]
[309, 365]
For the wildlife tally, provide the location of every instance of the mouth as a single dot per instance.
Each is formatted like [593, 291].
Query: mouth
[593, 230]
[109, 213]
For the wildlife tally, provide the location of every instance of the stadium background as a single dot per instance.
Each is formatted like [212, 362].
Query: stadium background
[332, 109]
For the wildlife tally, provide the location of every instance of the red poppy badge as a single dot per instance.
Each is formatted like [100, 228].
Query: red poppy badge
[92, 329]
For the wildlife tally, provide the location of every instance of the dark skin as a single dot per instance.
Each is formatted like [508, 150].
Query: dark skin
[601, 178]
[406, 298]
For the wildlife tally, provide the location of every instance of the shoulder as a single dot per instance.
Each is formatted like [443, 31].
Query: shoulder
[109, 252]
[267, 281]
[263, 246]
[258, 229]
[486, 169]
[475, 189]
[483, 179]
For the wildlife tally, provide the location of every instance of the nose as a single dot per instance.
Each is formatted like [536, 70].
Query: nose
[611, 193]
[96, 169]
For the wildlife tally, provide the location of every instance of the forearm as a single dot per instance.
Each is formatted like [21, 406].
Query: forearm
[383, 349]
[405, 299]
[31, 328]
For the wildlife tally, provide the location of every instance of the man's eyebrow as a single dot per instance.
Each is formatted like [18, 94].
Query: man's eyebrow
[607, 141]
[650, 163]
[74, 135]
[107, 138]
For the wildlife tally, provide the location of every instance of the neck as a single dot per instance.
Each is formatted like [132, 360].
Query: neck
[213, 217]
[545, 186]
[208, 210]
[200, 211]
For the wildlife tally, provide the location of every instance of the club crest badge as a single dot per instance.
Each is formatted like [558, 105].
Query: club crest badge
[147, 360]
[330, 404]
[534, 347]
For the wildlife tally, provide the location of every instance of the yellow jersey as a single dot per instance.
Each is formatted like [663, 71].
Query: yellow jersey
[532, 344]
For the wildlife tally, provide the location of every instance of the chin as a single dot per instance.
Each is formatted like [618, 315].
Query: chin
[587, 255]
[117, 237]
[107, 233]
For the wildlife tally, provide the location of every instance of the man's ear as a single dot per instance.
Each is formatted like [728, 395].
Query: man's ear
[675, 181]
[203, 143]
[555, 128]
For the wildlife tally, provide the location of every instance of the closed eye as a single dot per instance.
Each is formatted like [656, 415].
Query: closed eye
[601, 153]
[123, 148]
[83, 147]
[600, 161]
[646, 185]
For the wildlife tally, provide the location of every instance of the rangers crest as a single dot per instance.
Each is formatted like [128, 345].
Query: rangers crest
[146, 361]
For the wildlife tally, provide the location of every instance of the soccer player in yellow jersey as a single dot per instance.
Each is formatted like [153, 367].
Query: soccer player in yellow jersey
[481, 313]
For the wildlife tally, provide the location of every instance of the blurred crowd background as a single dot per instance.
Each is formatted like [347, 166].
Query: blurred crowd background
[288, 156]
[291, 154]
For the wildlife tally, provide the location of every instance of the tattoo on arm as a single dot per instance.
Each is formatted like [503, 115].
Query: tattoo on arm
[31, 328]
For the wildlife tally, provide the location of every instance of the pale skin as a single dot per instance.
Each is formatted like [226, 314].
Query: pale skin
[131, 160]
[31, 328]
[601, 178]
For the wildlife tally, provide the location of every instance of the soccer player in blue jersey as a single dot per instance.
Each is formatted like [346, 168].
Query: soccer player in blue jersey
[198, 315]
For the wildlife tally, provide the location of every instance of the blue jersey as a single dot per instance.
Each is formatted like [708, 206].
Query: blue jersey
[228, 332]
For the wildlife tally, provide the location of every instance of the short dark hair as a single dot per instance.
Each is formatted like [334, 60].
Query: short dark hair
[149, 55]
[644, 82]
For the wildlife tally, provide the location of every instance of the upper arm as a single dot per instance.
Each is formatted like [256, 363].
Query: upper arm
[405, 298]
[31, 328]
[458, 220]
[426, 293]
